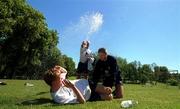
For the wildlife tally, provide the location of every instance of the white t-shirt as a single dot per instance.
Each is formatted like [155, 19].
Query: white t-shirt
[66, 95]
[85, 54]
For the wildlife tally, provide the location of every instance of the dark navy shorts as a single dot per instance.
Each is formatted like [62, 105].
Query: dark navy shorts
[94, 95]
[82, 68]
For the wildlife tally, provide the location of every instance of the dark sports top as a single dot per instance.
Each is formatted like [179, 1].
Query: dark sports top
[107, 71]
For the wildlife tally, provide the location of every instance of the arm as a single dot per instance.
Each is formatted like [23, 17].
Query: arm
[119, 91]
[118, 80]
[80, 97]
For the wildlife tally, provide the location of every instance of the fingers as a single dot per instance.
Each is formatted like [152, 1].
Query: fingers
[67, 83]
[57, 67]
[108, 90]
[63, 70]
[64, 83]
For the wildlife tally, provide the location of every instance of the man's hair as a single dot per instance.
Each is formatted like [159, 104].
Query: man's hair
[102, 50]
[49, 77]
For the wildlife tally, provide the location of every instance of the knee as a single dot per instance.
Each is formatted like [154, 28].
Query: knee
[110, 97]
[108, 90]
[107, 97]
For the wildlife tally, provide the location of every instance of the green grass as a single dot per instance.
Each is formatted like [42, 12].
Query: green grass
[15, 95]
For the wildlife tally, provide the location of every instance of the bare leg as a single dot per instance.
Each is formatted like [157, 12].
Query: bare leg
[105, 92]
[85, 75]
[119, 91]
[78, 76]
[106, 96]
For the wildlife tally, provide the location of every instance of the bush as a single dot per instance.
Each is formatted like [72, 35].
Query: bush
[173, 82]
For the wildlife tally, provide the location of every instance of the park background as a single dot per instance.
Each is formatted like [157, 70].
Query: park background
[143, 35]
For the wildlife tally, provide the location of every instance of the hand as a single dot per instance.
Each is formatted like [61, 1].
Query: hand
[108, 90]
[67, 83]
[61, 69]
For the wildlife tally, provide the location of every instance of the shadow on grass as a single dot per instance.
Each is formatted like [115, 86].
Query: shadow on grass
[38, 101]
[41, 93]
[42, 101]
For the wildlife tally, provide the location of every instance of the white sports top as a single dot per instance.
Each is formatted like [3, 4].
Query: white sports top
[66, 95]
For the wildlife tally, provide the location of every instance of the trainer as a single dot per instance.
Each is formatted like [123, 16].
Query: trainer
[107, 71]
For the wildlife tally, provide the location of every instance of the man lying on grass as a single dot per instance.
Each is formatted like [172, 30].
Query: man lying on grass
[64, 91]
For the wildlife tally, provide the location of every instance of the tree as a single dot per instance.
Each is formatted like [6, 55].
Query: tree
[132, 72]
[122, 63]
[24, 35]
[161, 73]
[145, 73]
[69, 65]
[27, 46]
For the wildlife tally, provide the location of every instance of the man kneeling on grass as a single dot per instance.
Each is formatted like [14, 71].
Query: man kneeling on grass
[64, 91]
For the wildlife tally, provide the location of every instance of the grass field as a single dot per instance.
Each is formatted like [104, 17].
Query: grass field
[15, 95]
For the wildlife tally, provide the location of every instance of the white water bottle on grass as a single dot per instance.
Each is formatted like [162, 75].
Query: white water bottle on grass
[128, 103]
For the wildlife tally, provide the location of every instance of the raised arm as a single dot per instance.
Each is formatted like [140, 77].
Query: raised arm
[80, 97]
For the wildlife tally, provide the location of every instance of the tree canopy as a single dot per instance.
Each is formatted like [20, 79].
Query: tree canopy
[27, 46]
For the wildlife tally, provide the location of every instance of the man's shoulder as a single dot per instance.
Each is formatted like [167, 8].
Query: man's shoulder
[111, 58]
[98, 61]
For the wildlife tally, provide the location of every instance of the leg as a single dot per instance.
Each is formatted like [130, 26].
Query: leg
[103, 90]
[78, 76]
[119, 91]
[100, 92]
[85, 75]
[79, 70]
[106, 97]
[85, 70]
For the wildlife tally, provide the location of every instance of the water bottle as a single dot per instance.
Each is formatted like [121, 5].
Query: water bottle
[128, 103]
[90, 61]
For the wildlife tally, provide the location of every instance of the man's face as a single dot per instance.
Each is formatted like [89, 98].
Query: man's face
[102, 56]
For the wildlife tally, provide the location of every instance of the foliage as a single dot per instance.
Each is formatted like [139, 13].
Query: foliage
[135, 72]
[27, 46]
[173, 82]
